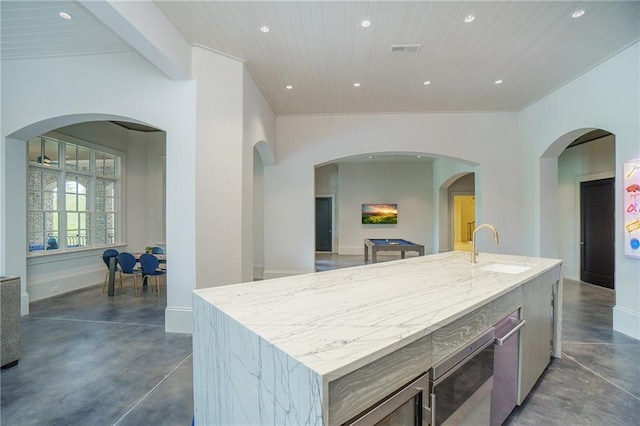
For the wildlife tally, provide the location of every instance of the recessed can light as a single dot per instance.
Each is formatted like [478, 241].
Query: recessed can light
[64, 15]
[370, 157]
[265, 29]
[419, 156]
[469, 18]
[365, 23]
[356, 84]
[426, 83]
[288, 87]
[498, 82]
[578, 13]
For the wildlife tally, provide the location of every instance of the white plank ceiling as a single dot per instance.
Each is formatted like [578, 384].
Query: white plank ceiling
[321, 49]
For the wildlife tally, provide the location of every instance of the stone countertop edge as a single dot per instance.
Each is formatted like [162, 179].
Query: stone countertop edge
[255, 304]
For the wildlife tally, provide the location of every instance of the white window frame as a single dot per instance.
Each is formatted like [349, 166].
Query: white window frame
[61, 170]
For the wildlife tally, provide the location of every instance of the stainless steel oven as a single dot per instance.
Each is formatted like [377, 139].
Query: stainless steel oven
[460, 387]
[407, 406]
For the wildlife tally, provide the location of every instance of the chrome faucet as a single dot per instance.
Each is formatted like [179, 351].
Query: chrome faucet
[474, 250]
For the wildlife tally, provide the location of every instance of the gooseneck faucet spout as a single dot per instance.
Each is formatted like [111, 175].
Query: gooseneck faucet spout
[474, 250]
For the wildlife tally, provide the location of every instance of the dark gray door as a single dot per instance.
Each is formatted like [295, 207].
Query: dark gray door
[597, 211]
[323, 224]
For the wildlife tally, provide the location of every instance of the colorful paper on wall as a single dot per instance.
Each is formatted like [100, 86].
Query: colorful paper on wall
[631, 182]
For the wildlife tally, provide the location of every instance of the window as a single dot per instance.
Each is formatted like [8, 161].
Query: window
[73, 196]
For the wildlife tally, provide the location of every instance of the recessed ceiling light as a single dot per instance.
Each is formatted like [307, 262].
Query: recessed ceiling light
[426, 83]
[469, 18]
[365, 23]
[288, 87]
[370, 157]
[64, 15]
[498, 82]
[578, 13]
[265, 29]
[356, 84]
[419, 156]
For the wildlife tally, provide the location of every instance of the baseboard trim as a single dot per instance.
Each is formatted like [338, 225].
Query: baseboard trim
[258, 272]
[24, 304]
[351, 250]
[178, 320]
[280, 273]
[626, 321]
[57, 284]
[570, 272]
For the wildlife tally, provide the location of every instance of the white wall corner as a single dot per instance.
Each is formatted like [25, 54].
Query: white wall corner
[258, 272]
[24, 303]
[626, 321]
[178, 320]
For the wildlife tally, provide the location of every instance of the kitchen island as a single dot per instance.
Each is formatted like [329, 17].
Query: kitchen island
[320, 348]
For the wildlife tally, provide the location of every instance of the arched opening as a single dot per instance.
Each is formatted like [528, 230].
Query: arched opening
[68, 205]
[462, 207]
[414, 183]
[262, 156]
[577, 193]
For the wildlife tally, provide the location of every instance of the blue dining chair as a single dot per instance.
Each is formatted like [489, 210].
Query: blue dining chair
[149, 264]
[106, 256]
[127, 263]
[157, 250]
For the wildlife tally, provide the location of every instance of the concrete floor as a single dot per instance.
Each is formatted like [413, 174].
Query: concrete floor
[92, 360]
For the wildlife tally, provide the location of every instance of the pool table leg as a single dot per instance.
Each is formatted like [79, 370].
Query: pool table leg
[374, 255]
[366, 253]
[402, 254]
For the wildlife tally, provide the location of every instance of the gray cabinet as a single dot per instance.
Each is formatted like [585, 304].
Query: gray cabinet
[535, 338]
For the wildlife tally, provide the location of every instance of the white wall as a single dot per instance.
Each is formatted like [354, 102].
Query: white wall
[258, 216]
[606, 97]
[219, 168]
[259, 137]
[408, 184]
[590, 161]
[307, 141]
[98, 87]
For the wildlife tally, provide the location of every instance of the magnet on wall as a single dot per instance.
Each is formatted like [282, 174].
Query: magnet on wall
[635, 243]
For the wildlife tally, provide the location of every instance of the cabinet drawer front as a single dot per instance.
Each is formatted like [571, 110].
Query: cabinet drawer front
[352, 394]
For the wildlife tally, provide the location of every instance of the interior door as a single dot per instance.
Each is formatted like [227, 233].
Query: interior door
[323, 224]
[597, 213]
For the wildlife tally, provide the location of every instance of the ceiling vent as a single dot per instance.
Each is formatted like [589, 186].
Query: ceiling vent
[405, 48]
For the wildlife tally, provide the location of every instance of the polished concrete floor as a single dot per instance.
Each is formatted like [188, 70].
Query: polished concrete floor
[92, 360]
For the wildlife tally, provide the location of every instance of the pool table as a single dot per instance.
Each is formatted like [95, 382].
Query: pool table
[389, 244]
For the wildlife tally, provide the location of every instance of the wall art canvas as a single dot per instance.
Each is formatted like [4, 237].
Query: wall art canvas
[631, 183]
[377, 214]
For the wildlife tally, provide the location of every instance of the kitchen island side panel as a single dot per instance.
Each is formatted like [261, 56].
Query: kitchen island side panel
[241, 379]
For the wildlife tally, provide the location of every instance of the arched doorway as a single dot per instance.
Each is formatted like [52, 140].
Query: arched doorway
[262, 156]
[417, 183]
[462, 204]
[586, 208]
[75, 263]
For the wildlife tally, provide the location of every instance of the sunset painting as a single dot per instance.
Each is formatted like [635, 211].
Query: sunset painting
[379, 213]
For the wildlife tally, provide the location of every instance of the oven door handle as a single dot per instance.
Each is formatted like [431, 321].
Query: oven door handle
[501, 340]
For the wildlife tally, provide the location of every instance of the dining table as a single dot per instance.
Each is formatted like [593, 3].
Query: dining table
[113, 266]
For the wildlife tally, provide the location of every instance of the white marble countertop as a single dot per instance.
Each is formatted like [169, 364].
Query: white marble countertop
[335, 322]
